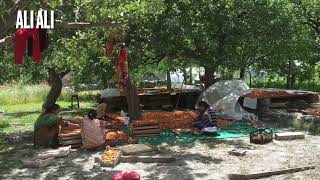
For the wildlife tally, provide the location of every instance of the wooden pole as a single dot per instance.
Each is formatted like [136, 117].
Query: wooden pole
[268, 174]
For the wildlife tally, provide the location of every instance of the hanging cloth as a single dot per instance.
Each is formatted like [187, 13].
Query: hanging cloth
[122, 68]
[43, 40]
[110, 44]
[21, 37]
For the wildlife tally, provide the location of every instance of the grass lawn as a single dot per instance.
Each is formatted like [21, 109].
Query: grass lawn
[20, 117]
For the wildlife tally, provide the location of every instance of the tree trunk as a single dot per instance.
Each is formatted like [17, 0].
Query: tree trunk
[168, 80]
[250, 76]
[291, 76]
[55, 81]
[209, 77]
[242, 73]
[104, 79]
[185, 75]
[190, 76]
[133, 100]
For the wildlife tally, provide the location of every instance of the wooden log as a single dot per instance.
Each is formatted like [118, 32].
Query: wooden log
[268, 174]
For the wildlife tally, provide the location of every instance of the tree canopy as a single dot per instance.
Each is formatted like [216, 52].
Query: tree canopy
[224, 36]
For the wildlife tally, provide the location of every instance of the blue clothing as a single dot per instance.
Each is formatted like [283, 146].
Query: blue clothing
[206, 119]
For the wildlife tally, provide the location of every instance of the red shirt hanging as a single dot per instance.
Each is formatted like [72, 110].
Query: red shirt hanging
[21, 37]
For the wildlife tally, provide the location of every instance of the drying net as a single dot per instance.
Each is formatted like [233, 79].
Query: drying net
[235, 130]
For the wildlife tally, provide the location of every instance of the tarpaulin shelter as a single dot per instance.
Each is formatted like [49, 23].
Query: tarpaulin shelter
[223, 97]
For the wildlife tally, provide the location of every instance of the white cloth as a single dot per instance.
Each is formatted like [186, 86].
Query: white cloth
[110, 92]
[250, 102]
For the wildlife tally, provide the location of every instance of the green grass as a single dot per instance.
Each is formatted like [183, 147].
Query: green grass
[19, 94]
[21, 117]
[36, 106]
[22, 105]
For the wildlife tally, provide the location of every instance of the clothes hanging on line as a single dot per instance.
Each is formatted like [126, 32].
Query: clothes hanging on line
[21, 37]
[43, 40]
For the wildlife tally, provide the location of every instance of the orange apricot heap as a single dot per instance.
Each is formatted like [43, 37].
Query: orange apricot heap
[116, 135]
[266, 94]
[168, 120]
[313, 111]
[110, 154]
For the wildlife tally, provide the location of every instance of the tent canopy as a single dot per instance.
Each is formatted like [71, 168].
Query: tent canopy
[223, 97]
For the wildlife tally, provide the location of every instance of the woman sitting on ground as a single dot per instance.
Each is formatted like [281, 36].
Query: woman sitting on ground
[206, 117]
[93, 131]
[47, 127]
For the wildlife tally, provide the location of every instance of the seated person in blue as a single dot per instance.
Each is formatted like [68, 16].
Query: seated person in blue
[206, 117]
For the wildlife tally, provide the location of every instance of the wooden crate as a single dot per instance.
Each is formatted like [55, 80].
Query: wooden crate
[145, 130]
[71, 137]
[110, 163]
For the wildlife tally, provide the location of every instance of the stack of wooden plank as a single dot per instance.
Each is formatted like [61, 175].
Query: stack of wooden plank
[140, 130]
[71, 137]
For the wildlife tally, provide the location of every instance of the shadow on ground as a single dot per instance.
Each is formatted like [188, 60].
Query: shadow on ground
[81, 164]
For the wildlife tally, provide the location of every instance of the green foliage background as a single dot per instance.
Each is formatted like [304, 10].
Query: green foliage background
[278, 37]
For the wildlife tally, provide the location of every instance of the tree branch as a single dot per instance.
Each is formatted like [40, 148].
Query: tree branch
[11, 17]
[8, 41]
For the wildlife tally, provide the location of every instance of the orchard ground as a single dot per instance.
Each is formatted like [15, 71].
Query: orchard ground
[197, 160]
